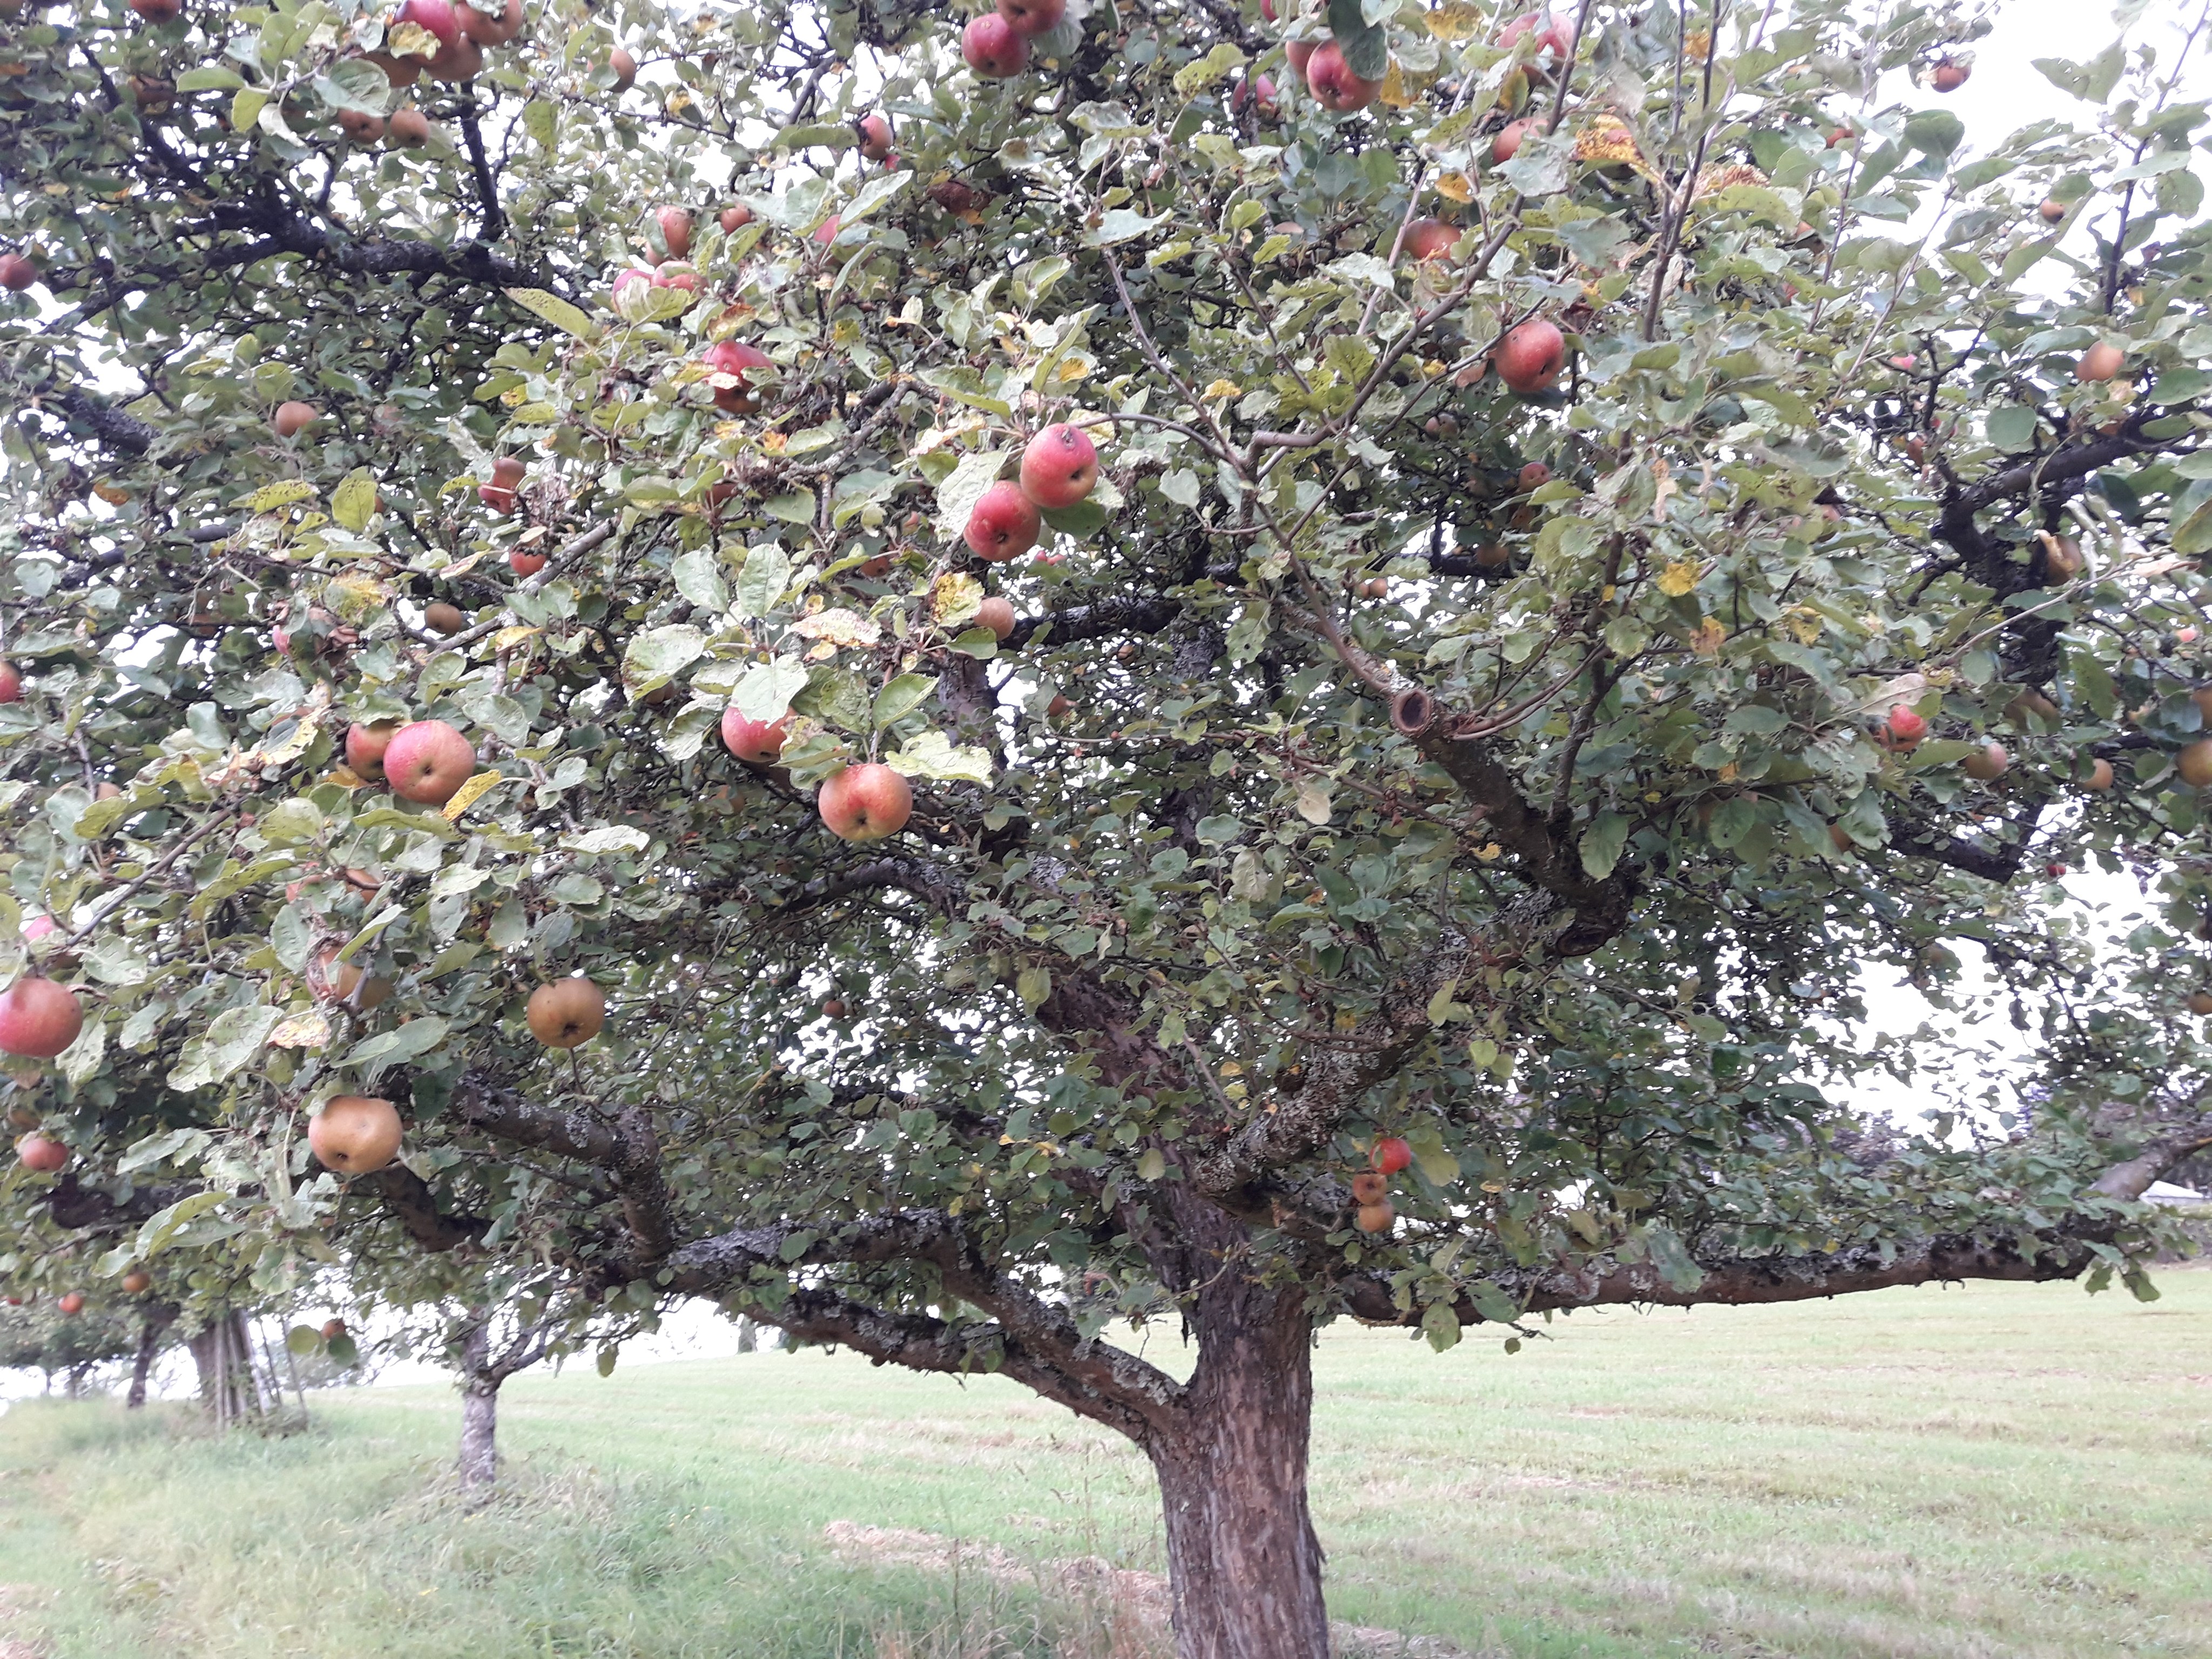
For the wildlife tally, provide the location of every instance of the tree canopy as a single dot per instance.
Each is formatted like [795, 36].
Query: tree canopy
[1613, 533]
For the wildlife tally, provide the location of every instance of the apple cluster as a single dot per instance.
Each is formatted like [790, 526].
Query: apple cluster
[1371, 1188]
[1059, 468]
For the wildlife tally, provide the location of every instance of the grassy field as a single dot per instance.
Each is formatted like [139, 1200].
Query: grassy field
[1957, 1475]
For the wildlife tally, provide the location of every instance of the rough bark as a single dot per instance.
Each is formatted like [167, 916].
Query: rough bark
[1244, 1563]
[479, 1462]
[223, 1355]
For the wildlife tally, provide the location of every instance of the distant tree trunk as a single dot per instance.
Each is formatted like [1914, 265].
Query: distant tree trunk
[748, 1341]
[73, 1383]
[1243, 1558]
[224, 1358]
[159, 1317]
[480, 1381]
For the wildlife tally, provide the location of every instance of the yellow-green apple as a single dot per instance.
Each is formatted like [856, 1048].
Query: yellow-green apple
[865, 803]
[2193, 762]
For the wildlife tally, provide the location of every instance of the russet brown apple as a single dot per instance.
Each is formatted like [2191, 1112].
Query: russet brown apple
[136, 1283]
[440, 617]
[865, 803]
[355, 1134]
[2102, 361]
[997, 615]
[566, 1012]
[292, 418]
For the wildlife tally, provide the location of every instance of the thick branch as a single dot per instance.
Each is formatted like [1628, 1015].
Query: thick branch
[409, 1198]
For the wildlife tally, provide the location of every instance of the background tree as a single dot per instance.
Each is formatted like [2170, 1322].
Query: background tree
[1611, 532]
[38, 1336]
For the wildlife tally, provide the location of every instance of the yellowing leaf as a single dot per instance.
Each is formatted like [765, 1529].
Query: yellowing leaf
[1456, 187]
[1222, 389]
[270, 497]
[1706, 640]
[956, 598]
[838, 626]
[468, 794]
[1455, 22]
[1394, 90]
[353, 501]
[554, 310]
[309, 1030]
[507, 638]
[1678, 578]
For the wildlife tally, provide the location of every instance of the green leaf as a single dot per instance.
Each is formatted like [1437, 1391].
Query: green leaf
[210, 77]
[817, 135]
[233, 1038]
[353, 501]
[659, 655]
[1152, 1165]
[1086, 518]
[901, 697]
[303, 1340]
[554, 310]
[1601, 844]
[766, 572]
[933, 755]
[408, 1042]
[793, 507]
[1033, 985]
[766, 691]
[698, 574]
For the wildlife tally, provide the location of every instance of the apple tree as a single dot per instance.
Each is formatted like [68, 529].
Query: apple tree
[964, 680]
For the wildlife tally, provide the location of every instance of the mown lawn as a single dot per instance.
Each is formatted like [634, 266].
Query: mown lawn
[1994, 1471]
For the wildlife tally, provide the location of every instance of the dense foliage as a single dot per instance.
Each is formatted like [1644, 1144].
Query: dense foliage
[1400, 741]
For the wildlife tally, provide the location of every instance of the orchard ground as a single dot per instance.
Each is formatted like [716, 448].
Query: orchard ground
[2000, 1470]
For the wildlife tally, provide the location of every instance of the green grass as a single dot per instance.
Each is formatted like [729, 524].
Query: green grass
[1954, 1474]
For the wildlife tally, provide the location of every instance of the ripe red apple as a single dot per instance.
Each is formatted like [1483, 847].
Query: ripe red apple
[71, 1303]
[1298, 54]
[1369, 1187]
[136, 1283]
[736, 359]
[1376, 1217]
[1950, 77]
[1556, 33]
[508, 471]
[292, 418]
[17, 273]
[623, 67]
[408, 128]
[997, 615]
[1840, 135]
[365, 746]
[1530, 475]
[865, 803]
[361, 126]
[1259, 86]
[675, 226]
[41, 1153]
[464, 60]
[1987, 764]
[1334, 86]
[37, 927]
[11, 682]
[757, 742]
[428, 762]
[333, 1329]
[1004, 524]
[2100, 362]
[1905, 362]
[355, 1134]
[875, 137]
[157, 11]
[2052, 209]
[435, 16]
[1060, 467]
[493, 26]
[1901, 733]
[38, 1018]
[833, 1008]
[398, 71]
[566, 1012]
[735, 219]
[1391, 1154]
[992, 48]
[526, 564]
[443, 618]
[1029, 18]
[1507, 144]
[1429, 239]
[1531, 355]
[826, 232]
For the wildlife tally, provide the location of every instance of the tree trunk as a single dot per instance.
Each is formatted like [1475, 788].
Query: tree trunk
[479, 1433]
[225, 1363]
[1242, 1559]
[160, 1315]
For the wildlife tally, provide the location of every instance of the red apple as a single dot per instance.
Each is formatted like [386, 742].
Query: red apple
[1391, 1154]
[1003, 525]
[365, 746]
[735, 358]
[1840, 135]
[17, 273]
[355, 1134]
[1530, 357]
[997, 615]
[41, 1153]
[1332, 83]
[865, 803]
[157, 11]
[333, 1329]
[462, 61]
[675, 225]
[361, 126]
[506, 475]
[826, 232]
[1298, 54]
[1534, 474]
[435, 16]
[2100, 362]
[11, 682]
[1556, 33]
[875, 137]
[37, 1017]
[407, 128]
[526, 564]
[71, 1303]
[1507, 144]
[1950, 77]
[623, 67]
[292, 418]
[1902, 731]
[1029, 18]
[2052, 209]
[1988, 763]
[758, 743]
[1060, 467]
[1429, 239]
[136, 1283]
[493, 26]
[37, 927]
[735, 219]
[428, 762]
[992, 48]
[1255, 86]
